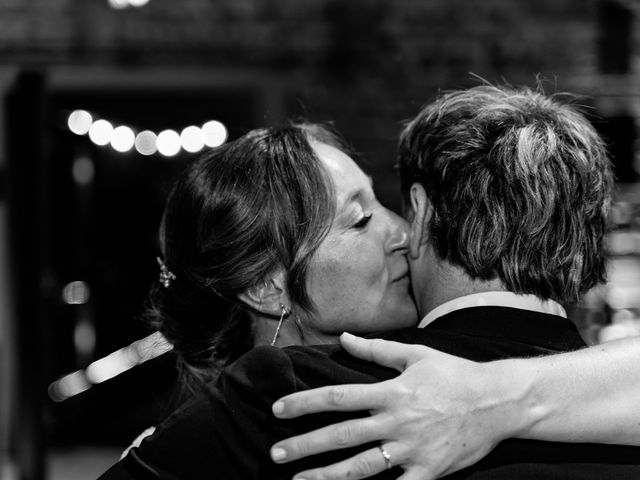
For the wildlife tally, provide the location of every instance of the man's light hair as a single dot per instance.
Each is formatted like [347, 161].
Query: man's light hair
[520, 184]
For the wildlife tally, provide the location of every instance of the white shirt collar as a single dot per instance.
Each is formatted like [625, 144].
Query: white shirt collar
[496, 299]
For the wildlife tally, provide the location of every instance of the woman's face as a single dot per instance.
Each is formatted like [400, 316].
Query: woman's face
[359, 276]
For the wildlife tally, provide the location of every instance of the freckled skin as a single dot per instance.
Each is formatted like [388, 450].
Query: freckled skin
[359, 277]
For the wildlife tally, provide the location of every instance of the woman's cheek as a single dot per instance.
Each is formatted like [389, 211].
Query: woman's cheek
[369, 260]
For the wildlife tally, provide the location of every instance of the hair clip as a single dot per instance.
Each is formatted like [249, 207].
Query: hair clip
[166, 275]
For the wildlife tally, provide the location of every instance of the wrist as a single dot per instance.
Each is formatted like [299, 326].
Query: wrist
[521, 405]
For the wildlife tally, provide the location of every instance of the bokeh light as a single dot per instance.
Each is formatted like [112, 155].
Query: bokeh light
[107, 367]
[191, 139]
[79, 122]
[125, 358]
[84, 337]
[76, 293]
[214, 133]
[110, 366]
[83, 170]
[118, 4]
[168, 143]
[68, 386]
[122, 139]
[621, 213]
[145, 142]
[100, 132]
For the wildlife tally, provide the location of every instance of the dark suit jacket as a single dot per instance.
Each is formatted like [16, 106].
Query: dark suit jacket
[225, 432]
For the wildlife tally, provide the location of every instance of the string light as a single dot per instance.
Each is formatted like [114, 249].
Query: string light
[122, 4]
[79, 122]
[76, 293]
[122, 139]
[118, 4]
[146, 142]
[214, 133]
[192, 139]
[100, 132]
[168, 143]
[108, 367]
[83, 170]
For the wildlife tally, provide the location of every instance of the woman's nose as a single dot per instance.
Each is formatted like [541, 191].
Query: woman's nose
[398, 233]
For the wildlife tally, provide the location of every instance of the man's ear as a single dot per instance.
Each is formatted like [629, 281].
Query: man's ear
[420, 216]
[267, 295]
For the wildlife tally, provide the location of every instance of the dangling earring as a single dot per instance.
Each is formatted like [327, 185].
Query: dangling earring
[282, 315]
[298, 325]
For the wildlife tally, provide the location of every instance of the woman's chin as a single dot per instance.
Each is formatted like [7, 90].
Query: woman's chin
[403, 315]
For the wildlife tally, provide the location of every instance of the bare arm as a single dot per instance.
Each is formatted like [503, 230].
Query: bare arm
[440, 425]
[591, 395]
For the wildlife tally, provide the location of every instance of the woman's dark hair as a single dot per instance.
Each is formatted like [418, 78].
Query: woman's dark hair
[236, 214]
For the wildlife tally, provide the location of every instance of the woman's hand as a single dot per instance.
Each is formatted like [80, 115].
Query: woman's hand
[441, 414]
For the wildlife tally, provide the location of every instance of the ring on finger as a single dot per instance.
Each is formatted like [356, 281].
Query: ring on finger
[386, 456]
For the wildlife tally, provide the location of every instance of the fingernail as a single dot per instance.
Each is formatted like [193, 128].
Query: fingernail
[277, 408]
[345, 335]
[278, 454]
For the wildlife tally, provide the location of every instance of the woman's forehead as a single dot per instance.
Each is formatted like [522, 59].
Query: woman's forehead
[348, 179]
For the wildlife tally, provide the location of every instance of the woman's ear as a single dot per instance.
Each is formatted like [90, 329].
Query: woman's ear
[267, 295]
[420, 216]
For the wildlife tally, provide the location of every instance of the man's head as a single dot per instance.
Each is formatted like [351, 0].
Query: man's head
[514, 187]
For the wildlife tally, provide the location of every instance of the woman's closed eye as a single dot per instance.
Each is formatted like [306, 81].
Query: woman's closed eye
[363, 221]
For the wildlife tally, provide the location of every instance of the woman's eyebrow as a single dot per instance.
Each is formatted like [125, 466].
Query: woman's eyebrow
[356, 195]
[346, 201]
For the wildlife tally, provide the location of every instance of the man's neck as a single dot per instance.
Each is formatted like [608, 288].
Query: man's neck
[452, 282]
[495, 299]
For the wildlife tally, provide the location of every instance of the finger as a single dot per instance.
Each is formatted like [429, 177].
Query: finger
[335, 398]
[383, 352]
[334, 437]
[417, 474]
[363, 465]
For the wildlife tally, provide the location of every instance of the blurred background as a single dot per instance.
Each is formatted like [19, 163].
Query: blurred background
[103, 102]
